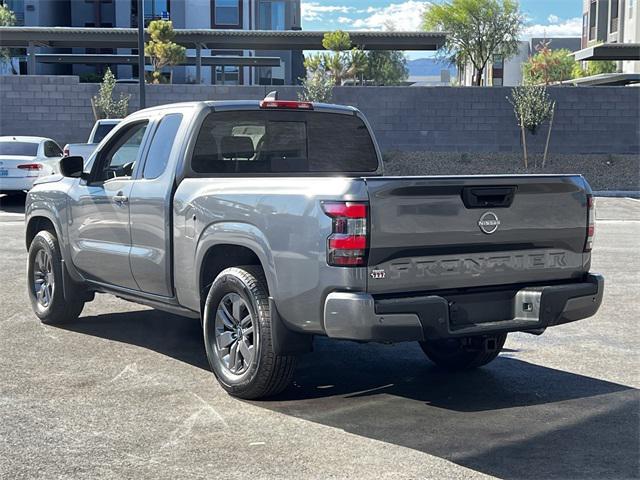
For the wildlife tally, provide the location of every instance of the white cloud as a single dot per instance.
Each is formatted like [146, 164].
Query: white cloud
[314, 11]
[568, 28]
[404, 16]
[553, 18]
[345, 20]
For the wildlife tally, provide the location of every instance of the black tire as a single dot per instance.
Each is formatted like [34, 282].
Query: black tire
[265, 374]
[464, 353]
[57, 309]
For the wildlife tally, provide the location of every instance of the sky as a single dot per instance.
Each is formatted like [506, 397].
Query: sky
[553, 18]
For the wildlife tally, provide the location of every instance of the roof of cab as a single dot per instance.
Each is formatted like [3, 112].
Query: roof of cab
[109, 121]
[255, 104]
[244, 105]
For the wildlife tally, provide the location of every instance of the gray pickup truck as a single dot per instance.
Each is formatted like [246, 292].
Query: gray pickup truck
[272, 221]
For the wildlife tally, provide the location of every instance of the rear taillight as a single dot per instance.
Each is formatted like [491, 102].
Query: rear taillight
[347, 244]
[591, 223]
[286, 104]
[30, 166]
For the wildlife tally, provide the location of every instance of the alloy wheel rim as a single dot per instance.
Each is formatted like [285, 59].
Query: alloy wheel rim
[43, 278]
[235, 335]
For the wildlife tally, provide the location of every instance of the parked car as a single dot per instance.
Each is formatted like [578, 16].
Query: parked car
[25, 159]
[272, 222]
[100, 130]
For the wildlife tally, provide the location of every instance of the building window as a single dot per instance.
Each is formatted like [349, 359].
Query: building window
[227, 13]
[271, 16]
[271, 75]
[497, 70]
[156, 10]
[614, 16]
[17, 7]
[593, 17]
[227, 75]
[585, 30]
[153, 10]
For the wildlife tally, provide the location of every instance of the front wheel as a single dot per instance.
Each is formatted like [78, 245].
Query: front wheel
[44, 282]
[464, 353]
[237, 335]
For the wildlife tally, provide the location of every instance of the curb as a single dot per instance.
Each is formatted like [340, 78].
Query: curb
[618, 193]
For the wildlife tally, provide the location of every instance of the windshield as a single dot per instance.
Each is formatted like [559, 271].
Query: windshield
[26, 149]
[102, 131]
[274, 141]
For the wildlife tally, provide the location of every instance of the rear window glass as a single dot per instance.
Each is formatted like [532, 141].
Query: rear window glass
[102, 131]
[51, 149]
[19, 148]
[283, 142]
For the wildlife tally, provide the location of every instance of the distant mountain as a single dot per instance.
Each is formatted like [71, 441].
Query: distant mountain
[428, 67]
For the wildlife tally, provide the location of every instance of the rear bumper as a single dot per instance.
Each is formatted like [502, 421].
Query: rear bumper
[360, 316]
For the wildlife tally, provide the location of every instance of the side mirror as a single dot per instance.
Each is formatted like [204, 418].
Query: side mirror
[72, 166]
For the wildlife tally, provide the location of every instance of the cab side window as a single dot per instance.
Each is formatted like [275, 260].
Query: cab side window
[119, 158]
[161, 146]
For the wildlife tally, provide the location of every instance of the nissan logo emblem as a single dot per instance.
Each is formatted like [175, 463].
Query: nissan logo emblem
[489, 222]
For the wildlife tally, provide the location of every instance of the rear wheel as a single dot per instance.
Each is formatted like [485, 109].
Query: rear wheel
[464, 353]
[44, 282]
[237, 334]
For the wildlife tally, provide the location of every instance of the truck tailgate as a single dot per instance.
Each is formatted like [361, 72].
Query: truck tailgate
[438, 233]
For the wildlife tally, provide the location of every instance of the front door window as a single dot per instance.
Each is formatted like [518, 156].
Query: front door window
[121, 155]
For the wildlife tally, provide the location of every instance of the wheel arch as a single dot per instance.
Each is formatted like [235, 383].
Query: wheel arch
[224, 245]
[38, 222]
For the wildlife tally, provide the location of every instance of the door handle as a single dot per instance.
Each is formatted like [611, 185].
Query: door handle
[120, 198]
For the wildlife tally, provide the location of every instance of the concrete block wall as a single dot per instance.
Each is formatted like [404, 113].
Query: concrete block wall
[589, 120]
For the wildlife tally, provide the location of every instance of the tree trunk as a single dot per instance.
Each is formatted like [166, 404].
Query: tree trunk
[546, 148]
[477, 79]
[524, 143]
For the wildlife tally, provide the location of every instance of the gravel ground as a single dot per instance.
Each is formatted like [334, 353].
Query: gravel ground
[125, 392]
[604, 172]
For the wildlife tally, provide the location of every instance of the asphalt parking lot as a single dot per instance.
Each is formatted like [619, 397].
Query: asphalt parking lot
[126, 393]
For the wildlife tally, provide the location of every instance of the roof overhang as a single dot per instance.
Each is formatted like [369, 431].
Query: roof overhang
[610, 51]
[605, 80]
[67, 37]
[133, 59]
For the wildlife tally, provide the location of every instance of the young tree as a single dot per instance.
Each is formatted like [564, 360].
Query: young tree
[476, 30]
[317, 87]
[386, 67]
[104, 105]
[548, 66]
[7, 19]
[342, 62]
[532, 107]
[161, 48]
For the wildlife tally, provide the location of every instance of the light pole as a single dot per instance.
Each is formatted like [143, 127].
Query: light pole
[143, 100]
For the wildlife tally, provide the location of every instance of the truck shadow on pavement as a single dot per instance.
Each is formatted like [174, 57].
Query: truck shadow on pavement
[511, 419]
[12, 203]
